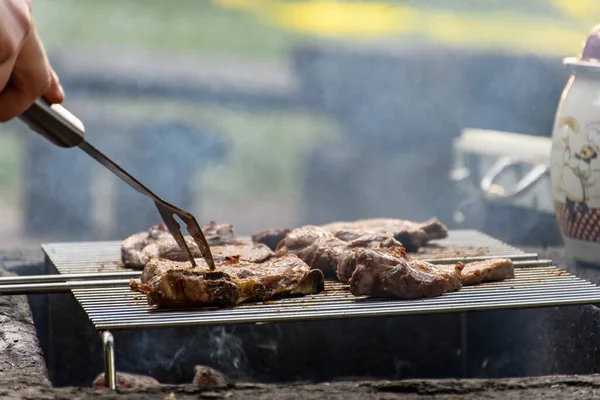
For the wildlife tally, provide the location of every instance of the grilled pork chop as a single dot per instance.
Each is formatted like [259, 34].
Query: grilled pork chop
[492, 270]
[169, 249]
[320, 249]
[270, 237]
[411, 234]
[384, 273]
[171, 283]
[137, 249]
[388, 272]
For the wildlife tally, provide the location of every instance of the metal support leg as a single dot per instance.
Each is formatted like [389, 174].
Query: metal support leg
[110, 373]
[464, 332]
[49, 269]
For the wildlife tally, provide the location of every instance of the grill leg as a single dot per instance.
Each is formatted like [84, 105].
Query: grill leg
[110, 374]
[464, 332]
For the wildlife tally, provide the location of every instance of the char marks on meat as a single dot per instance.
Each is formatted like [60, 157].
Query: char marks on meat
[176, 284]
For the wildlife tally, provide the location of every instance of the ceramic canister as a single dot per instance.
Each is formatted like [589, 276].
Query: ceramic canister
[575, 158]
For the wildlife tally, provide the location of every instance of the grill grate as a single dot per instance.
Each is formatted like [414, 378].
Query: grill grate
[536, 284]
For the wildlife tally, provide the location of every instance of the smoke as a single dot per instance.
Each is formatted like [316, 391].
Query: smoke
[227, 352]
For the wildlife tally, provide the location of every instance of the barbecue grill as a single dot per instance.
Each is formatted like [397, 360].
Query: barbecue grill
[537, 283]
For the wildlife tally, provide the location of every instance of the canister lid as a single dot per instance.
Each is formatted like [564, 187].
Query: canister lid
[591, 50]
[589, 60]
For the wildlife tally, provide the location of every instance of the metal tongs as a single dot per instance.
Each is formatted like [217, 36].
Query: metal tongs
[63, 129]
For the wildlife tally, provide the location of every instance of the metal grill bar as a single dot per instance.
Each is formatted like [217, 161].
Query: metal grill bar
[536, 284]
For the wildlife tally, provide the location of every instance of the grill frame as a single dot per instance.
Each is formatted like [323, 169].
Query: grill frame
[461, 245]
[537, 284]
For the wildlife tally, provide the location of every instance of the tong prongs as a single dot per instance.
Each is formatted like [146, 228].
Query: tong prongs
[166, 211]
[195, 232]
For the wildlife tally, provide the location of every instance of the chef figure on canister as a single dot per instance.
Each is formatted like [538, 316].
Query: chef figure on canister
[25, 73]
[576, 178]
[575, 159]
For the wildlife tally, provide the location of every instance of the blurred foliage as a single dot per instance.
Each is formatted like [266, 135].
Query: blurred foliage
[179, 25]
[267, 28]
[267, 146]
[265, 149]
[538, 26]
[10, 162]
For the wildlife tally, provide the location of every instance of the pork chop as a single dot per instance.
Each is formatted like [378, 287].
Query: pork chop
[169, 249]
[492, 270]
[389, 272]
[270, 237]
[176, 284]
[411, 234]
[320, 249]
[385, 273]
[135, 255]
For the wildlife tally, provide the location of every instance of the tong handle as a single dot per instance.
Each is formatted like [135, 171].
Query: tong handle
[55, 123]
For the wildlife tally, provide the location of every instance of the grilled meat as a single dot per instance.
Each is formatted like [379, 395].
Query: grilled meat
[270, 237]
[389, 272]
[169, 249]
[385, 273]
[322, 250]
[316, 247]
[492, 270]
[174, 284]
[411, 234]
[137, 249]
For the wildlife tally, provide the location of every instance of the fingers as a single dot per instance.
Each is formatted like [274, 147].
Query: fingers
[31, 78]
[55, 93]
[15, 28]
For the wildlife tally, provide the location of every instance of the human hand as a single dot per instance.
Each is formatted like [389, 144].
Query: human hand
[25, 72]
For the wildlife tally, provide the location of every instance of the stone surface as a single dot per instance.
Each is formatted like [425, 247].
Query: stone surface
[21, 358]
[547, 388]
[560, 339]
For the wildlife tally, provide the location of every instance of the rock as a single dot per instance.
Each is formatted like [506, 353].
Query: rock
[206, 377]
[22, 361]
[126, 380]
